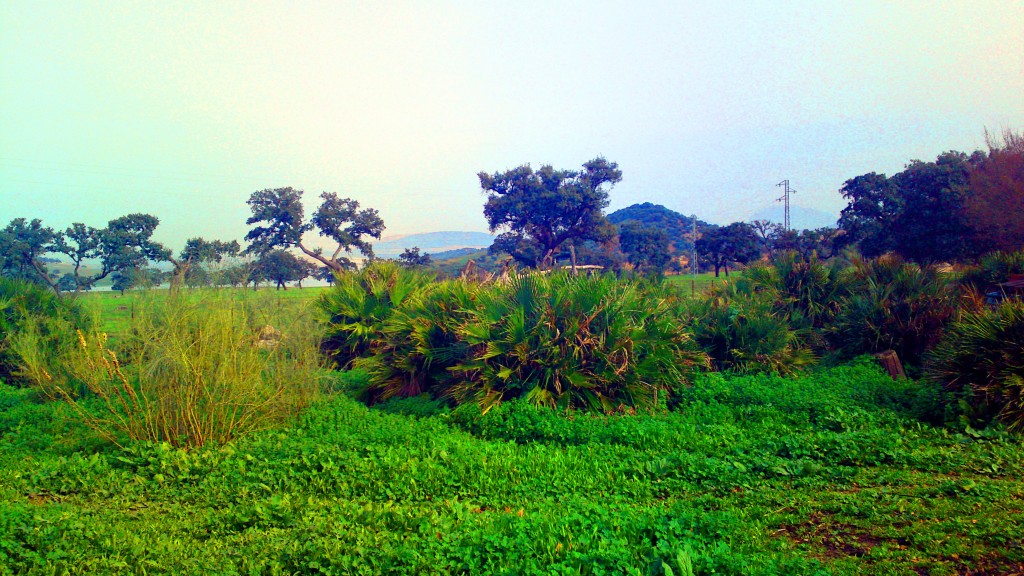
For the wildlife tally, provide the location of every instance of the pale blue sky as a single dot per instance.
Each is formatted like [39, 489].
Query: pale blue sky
[183, 109]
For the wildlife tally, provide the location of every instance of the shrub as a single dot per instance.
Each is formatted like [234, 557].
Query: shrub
[810, 291]
[359, 303]
[559, 340]
[192, 369]
[895, 305]
[981, 358]
[743, 330]
[574, 342]
[24, 304]
[993, 269]
[422, 340]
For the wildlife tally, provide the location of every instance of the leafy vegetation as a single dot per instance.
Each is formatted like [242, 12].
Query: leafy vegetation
[828, 474]
[981, 359]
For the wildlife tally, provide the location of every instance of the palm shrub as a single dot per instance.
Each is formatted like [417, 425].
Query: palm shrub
[810, 291]
[192, 369]
[421, 340]
[359, 303]
[895, 305]
[744, 330]
[981, 358]
[25, 305]
[992, 269]
[564, 341]
[595, 343]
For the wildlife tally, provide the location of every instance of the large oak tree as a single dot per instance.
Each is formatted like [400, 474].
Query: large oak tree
[540, 211]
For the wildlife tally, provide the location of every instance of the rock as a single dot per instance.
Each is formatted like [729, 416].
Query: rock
[268, 337]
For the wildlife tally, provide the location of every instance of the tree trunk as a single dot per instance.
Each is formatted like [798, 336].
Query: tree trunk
[572, 256]
[891, 362]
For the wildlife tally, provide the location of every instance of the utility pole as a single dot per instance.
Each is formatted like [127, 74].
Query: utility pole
[785, 198]
[693, 258]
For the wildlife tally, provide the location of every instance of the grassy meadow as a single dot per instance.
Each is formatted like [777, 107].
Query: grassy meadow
[835, 468]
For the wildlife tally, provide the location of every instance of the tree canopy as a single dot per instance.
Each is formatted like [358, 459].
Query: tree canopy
[542, 210]
[996, 204]
[282, 224]
[23, 244]
[646, 247]
[917, 212]
[199, 251]
[281, 266]
[722, 245]
[411, 258]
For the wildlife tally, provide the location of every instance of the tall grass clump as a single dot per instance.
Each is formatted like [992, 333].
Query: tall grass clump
[192, 369]
[981, 358]
[359, 303]
[25, 305]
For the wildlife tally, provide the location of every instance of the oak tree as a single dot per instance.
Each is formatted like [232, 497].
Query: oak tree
[541, 210]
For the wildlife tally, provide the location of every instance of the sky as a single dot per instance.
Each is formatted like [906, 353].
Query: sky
[183, 109]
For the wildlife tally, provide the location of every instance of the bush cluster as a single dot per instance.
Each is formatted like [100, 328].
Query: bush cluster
[559, 340]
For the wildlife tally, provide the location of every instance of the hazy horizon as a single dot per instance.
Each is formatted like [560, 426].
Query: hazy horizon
[182, 111]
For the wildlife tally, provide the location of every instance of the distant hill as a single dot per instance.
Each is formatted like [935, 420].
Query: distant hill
[451, 254]
[432, 242]
[800, 218]
[678, 227]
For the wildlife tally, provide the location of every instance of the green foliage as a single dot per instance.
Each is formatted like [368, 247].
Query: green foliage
[419, 344]
[747, 330]
[412, 258]
[808, 291]
[722, 245]
[359, 303]
[574, 341]
[918, 212]
[992, 269]
[557, 340]
[646, 247]
[981, 358]
[23, 244]
[281, 266]
[895, 305]
[206, 368]
[281, 224]
[543, 210]
[25, 306]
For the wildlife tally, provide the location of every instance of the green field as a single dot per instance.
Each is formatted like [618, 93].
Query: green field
[114, 310]
[827, 474]
[700, 283]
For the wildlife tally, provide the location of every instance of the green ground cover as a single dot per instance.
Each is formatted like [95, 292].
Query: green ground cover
[831, 473]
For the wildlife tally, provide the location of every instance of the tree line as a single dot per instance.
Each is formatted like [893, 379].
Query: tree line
[952, 209]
